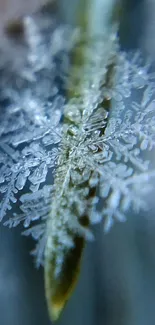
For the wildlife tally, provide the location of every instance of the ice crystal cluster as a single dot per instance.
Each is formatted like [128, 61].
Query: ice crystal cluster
[75, 141]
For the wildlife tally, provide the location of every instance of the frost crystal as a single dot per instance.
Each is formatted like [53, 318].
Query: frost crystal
[75, 138]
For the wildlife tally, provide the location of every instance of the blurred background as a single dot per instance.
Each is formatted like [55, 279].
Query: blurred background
[117, 280]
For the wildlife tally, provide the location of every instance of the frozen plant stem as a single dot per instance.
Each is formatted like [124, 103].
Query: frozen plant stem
[92, 68]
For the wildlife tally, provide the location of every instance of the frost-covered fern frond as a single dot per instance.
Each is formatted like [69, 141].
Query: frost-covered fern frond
[77, 125]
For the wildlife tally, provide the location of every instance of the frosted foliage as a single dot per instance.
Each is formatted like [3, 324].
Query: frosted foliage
[73, 155]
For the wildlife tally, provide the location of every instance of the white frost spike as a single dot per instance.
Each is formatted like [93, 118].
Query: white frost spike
[114, 200]
[95, 217]
[108, 222]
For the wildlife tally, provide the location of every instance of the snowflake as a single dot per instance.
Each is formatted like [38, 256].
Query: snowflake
[73, 143]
